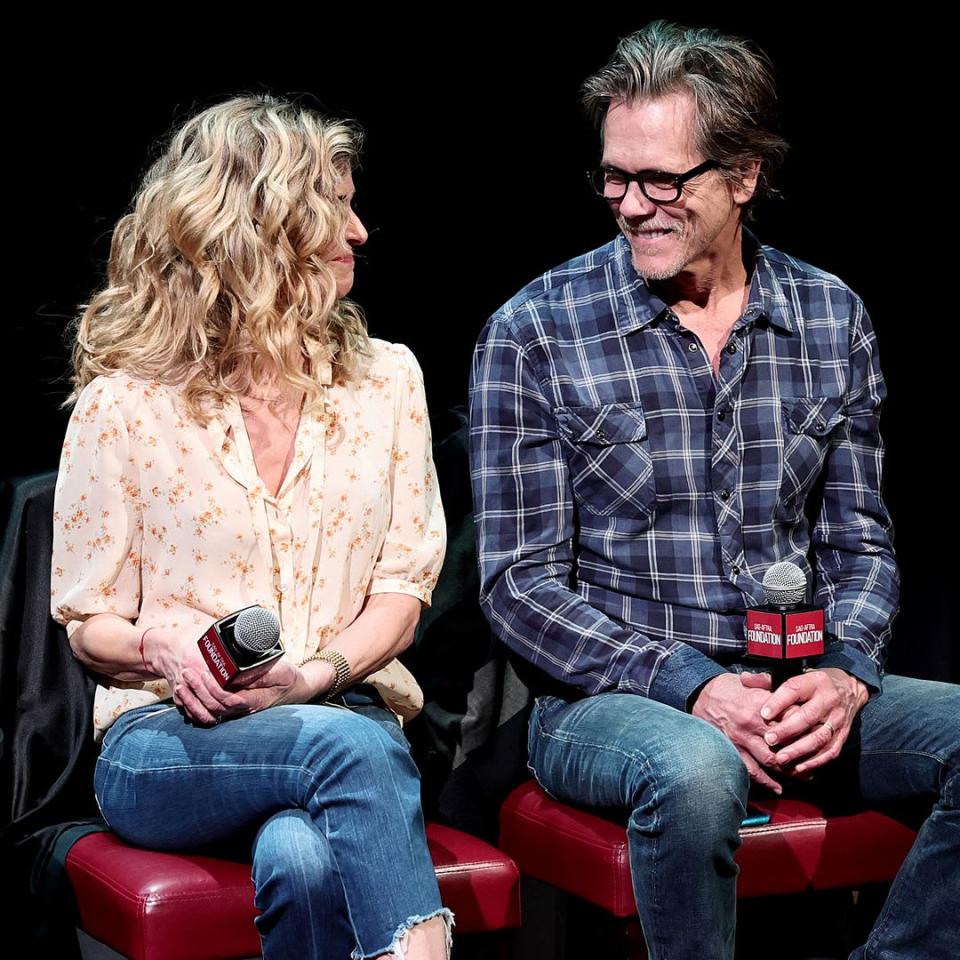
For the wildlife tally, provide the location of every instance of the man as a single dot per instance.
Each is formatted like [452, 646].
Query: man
[648, 423]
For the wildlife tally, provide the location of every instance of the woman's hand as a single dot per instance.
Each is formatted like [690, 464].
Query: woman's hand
[176, 658]
[280, 681]
[196, 691]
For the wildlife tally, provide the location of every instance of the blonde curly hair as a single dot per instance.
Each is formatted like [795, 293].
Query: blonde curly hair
[216, 279]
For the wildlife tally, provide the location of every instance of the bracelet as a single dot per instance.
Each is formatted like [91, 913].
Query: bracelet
[339, 663]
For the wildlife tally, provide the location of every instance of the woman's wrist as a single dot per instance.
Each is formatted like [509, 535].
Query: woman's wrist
[109, 645]
[318, 677]
[143, 640]
[148, 651]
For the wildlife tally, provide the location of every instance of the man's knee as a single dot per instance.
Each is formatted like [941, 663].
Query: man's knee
[908, 741]
[620, 750]
[702, 777]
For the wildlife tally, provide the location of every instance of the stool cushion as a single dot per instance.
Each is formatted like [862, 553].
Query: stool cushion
[585, 854]
[149, 905]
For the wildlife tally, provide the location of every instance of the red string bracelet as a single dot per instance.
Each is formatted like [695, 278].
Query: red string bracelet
[143, 659]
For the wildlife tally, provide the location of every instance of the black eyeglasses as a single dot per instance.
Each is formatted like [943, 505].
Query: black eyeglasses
[656, 185]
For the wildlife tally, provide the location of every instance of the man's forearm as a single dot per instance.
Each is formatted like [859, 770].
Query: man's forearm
[558, 631]
[858, 582]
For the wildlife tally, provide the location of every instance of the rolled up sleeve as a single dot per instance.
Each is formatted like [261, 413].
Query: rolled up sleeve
[97, 526]
[413, 550]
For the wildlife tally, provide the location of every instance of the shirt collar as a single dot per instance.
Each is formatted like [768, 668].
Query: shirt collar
[231, 444]
[639, 305]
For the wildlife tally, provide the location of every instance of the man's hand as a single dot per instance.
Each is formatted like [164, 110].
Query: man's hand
[813, 734]
[733, 707]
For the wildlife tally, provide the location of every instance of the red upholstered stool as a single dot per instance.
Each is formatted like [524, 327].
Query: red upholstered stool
[800, 849]
[163, 906]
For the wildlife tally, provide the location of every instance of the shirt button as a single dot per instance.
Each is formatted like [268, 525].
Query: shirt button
[731, 348]
[601, 435]
[724, 494]
[821, 426]
[721, 416]
[692, 346]
[735, 570]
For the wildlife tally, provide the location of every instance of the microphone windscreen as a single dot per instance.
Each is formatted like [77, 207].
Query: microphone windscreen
[256, 630]
[784, 584]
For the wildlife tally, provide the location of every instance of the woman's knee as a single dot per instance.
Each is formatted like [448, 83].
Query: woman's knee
[299, 890]
[355, 747]
[292, 861]
[367, 738]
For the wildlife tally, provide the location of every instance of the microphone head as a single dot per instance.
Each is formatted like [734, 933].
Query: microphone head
[256, 630]
[784, 584]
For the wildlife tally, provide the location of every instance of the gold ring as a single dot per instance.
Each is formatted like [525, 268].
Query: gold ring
[827, 723]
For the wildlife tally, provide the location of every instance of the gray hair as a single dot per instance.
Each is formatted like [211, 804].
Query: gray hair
[731, 82]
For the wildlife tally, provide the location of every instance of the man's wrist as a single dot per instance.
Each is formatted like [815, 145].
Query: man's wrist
[847, 657]
[695, 696]
[862, 691]
[681, 677]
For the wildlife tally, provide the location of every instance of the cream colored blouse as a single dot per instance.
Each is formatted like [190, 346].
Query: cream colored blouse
[166, 522]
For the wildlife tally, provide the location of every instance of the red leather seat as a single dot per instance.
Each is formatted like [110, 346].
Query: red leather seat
[163, 906]
[800, 849]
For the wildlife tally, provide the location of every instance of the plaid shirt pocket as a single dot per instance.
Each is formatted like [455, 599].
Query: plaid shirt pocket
[810, 425]
[610, 466]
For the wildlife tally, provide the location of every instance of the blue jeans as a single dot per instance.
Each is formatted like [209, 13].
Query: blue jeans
[328, 797]
[685, 788]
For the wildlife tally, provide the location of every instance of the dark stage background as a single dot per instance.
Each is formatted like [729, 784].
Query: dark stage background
[458, 128]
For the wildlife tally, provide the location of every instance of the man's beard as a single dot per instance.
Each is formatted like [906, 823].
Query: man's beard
[662, 273]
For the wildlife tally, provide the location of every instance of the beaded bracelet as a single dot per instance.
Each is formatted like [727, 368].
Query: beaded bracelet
[338, 661]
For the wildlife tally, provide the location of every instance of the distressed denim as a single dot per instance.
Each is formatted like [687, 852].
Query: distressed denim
[684, 789]
[329, 798]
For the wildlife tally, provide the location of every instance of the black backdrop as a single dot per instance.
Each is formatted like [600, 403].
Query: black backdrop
[472, 184]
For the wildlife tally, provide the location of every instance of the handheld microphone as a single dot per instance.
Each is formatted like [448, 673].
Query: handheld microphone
[240, 641]
[785, 630]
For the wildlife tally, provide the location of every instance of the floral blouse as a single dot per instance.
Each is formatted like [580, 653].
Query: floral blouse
[164, 521]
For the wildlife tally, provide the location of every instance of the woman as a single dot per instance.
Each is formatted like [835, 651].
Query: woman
[238, 439]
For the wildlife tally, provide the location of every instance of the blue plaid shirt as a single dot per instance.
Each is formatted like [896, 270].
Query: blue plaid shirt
[628, 503]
